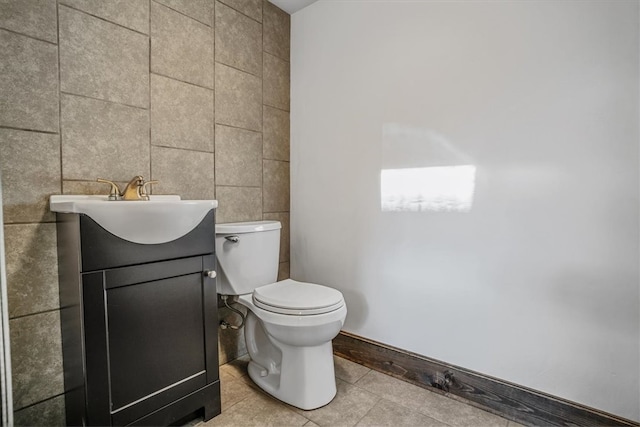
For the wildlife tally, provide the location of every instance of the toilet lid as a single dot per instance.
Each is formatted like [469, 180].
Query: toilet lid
[297, 298]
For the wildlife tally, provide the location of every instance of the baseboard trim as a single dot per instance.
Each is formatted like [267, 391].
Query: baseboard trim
[517, 403]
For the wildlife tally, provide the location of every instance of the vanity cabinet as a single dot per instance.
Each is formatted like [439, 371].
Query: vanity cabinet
[139, 325]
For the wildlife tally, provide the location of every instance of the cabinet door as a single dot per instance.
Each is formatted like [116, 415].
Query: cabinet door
[156, 335]
[151, 323]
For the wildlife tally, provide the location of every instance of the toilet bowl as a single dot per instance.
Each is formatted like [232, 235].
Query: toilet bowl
[289, 325]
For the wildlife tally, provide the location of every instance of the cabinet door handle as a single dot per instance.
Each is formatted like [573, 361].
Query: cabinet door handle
[211, 274]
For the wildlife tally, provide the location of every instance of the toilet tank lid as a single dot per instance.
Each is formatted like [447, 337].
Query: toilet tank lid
[247, 227]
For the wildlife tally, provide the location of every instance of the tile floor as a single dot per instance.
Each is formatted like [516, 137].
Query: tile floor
[364, 398]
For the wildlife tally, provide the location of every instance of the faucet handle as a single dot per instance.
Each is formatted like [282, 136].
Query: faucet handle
[143, 189]
[114, 193]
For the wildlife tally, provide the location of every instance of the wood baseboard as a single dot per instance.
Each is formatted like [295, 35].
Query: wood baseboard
[517, 403]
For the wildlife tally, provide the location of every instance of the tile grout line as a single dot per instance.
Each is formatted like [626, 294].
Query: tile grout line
[27, 36]
[29, 223]
[276, 108]
[22, 316]
[237, 127]
[39, 402]
[178, 12]
[213, 111]
[46, 132]
[59, 68]
[101, 99]
[244, 14]
[262, 115]
[155, 73]
[102, 19]
[150, 103]
[238, 69]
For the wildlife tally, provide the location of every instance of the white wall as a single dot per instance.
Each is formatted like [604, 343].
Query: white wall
[538, 282]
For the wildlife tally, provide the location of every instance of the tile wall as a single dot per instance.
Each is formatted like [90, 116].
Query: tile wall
[194, 93]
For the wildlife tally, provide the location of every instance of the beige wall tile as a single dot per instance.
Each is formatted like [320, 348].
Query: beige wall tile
[35, 18]
[184, 172]
[30, 166]
[181, 47]
[276, 186]
[238, 98]
[48, 413]
[103, 140]
[132, 14]
[277, 29]
[32, 268]
[276, 82]
[283, 217]
[251, 8]
[28, 83]
[181, 114]
[238, 157]
[36, 358]
[238, 40]
[275, 131]
[283, 271]
[238, 204]
[201, 10]
[103, 60]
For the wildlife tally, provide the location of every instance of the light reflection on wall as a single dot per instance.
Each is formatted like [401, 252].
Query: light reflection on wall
[428, 189]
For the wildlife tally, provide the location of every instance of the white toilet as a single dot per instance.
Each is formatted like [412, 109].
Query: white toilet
[290, 324]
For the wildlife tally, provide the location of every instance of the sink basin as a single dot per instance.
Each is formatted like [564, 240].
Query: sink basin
[158, 220]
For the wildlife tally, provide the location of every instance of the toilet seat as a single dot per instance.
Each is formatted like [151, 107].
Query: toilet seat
[297, 298]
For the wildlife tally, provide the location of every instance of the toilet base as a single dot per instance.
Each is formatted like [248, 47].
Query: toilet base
[306, 378]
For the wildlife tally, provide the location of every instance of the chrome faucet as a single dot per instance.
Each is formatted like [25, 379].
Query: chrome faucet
[136, 189]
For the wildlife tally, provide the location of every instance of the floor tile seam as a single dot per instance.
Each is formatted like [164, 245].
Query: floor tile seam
[228, 371]
[400, 402]
[230, 407]
[62, 92]
[475, 406]
[28, 36]
[104, 19]
[413, 410]
[211, 27]
[379, 398]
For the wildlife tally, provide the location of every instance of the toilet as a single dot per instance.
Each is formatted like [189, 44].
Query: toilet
[289, 325]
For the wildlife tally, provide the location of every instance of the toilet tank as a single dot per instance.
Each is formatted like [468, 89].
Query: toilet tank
[248, 255]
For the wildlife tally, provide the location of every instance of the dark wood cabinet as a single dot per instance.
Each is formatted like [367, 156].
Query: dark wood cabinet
[139, 325]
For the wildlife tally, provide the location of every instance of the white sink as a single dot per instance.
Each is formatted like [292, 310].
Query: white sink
[158, 220]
